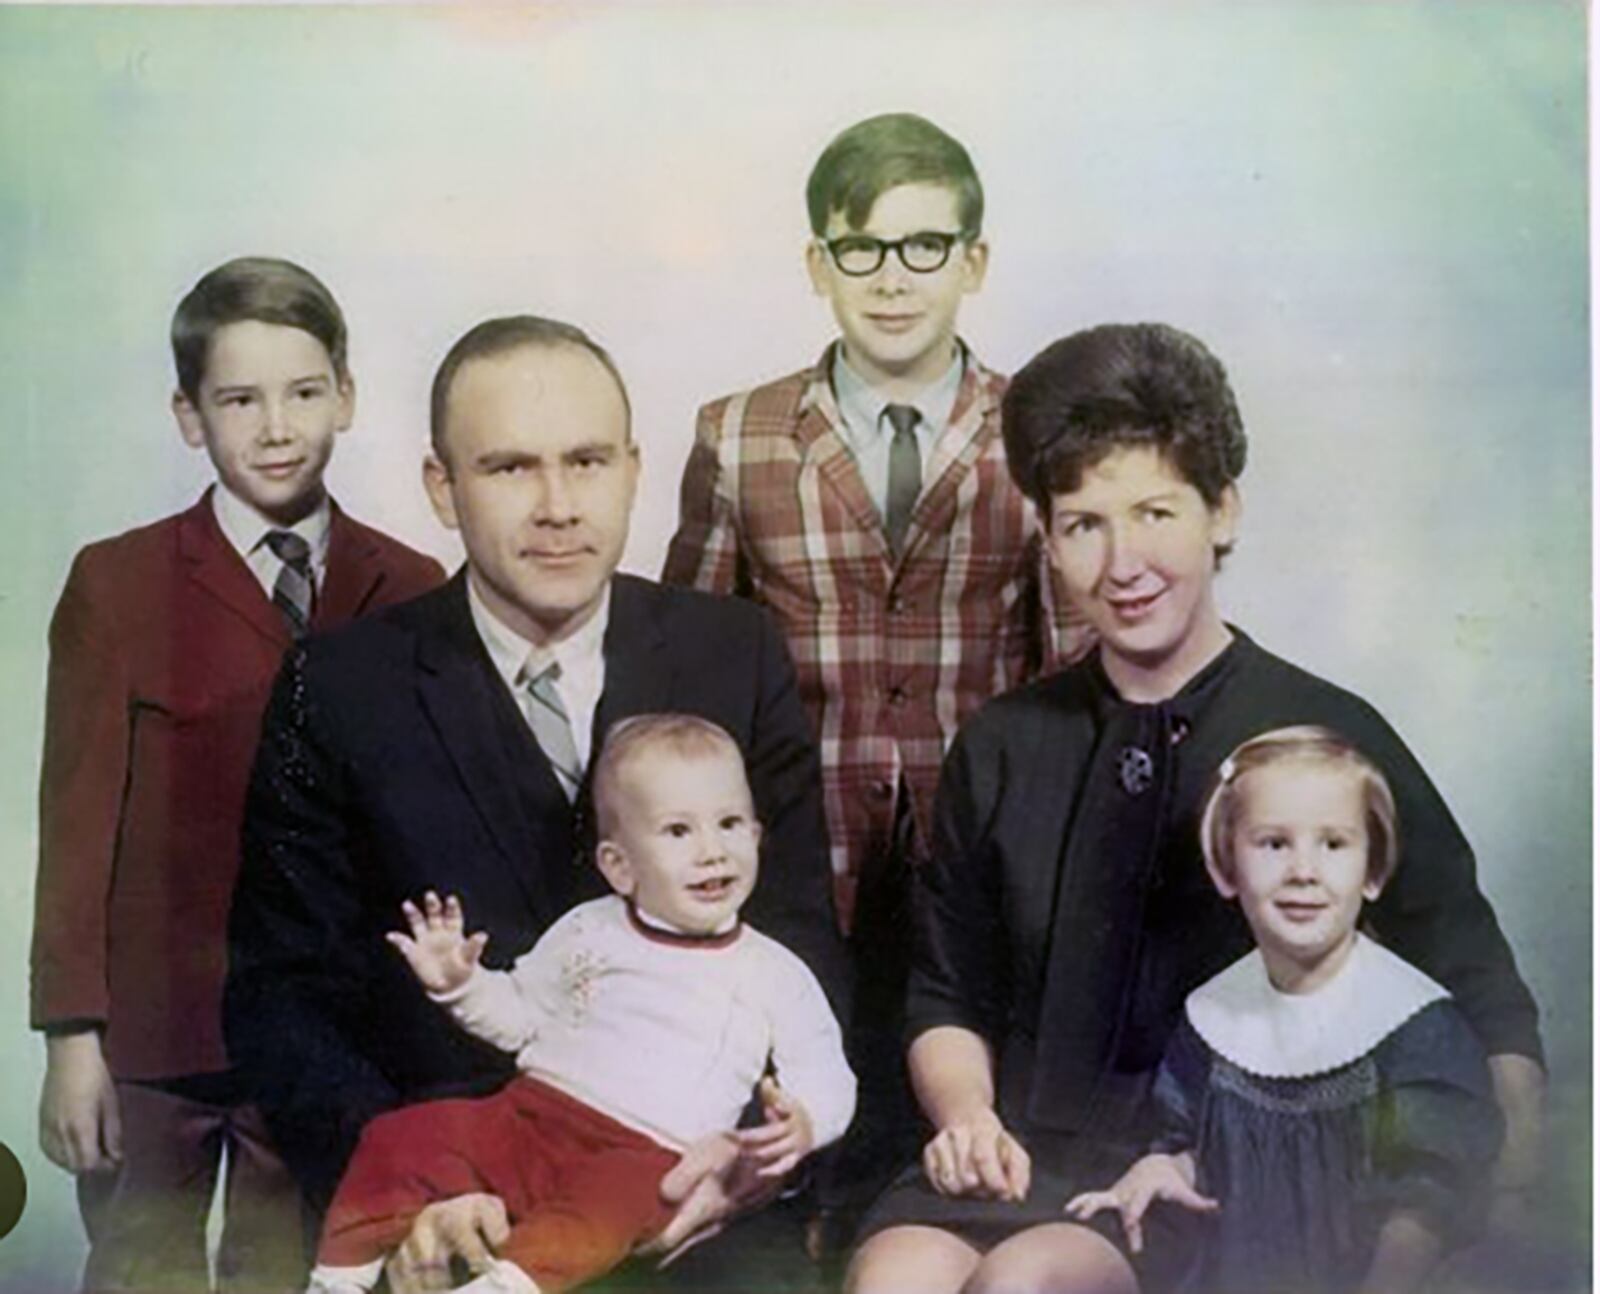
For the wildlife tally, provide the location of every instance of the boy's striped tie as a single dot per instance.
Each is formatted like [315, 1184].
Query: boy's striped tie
[295, 593]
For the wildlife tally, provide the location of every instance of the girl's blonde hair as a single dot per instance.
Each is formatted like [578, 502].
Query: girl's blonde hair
[1305, 743]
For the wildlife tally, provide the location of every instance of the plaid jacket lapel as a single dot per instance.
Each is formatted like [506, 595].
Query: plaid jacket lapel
[955, 452]
[820, 434]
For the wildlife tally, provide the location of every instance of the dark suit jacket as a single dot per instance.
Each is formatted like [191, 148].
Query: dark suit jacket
[393, 761]
[162, 651]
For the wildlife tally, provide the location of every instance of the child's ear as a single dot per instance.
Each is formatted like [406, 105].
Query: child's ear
[1219, 878]
[1372, 889]
[189, 425]
[615, 867]
[817, 267]
[346, 391]
[974, 264]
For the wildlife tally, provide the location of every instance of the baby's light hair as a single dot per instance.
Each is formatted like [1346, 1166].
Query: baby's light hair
[685, 735]
[1310, 744]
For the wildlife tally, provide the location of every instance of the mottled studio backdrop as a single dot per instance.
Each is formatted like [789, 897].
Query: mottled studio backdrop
[1374, 213]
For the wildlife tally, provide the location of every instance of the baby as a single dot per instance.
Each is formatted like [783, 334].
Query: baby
[641, 1022]
[1324, 1104]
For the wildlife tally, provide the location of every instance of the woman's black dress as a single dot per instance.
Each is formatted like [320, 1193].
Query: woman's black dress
[1065, 912]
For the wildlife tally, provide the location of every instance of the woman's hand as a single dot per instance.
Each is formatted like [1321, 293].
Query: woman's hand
[974, 1155]
[1155, 1177]
[438, 949]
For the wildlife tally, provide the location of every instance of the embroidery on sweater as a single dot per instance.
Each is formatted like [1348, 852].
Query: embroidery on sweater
[580, 972]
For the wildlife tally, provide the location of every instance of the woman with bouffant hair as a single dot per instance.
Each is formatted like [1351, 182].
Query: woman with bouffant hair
[1066, 913]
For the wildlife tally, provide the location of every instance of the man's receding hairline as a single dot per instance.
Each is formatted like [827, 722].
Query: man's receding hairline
[552, 346]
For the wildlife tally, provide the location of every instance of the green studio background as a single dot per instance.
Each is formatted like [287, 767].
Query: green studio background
[1374, 213]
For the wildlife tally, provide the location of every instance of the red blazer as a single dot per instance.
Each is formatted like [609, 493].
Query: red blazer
[163, 649]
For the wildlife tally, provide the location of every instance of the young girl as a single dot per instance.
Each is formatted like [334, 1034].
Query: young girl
[1324, 1106]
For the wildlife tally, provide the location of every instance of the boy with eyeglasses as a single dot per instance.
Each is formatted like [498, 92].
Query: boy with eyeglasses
[865, 501]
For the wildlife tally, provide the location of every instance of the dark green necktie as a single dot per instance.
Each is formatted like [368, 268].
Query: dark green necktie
[905, 473]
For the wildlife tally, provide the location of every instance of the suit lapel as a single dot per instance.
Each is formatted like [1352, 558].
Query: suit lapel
[354, 574]
[957, 449]
[210, 562]
[639, 676]
[824, 451]
[468, 706]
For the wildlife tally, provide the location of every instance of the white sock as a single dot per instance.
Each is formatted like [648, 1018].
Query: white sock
[503, 1277]
[344, 1280]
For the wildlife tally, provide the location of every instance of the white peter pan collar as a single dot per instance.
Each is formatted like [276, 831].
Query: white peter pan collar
[1243, 1018]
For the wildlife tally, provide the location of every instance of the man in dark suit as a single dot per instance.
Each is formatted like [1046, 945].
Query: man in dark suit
[444, 745]
[163, 649]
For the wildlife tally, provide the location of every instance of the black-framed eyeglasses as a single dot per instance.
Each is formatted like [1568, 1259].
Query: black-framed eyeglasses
[859, 255]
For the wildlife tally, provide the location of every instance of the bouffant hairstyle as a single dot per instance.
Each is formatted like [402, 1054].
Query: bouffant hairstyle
[1121, 386]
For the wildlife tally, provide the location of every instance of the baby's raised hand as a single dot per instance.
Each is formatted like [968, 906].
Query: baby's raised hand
[439, 951]
[784, 1139]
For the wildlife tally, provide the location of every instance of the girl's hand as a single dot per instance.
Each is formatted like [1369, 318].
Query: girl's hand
[1155, 1177]
[438, 949]
[784, 1139]
[976, 1156]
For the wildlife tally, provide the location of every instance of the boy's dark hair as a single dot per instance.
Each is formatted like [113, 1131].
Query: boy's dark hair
[498, 337]
[878, 154]
[259, 288]
[1119, 386]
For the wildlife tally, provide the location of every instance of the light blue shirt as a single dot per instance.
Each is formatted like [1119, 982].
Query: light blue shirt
[868, 433]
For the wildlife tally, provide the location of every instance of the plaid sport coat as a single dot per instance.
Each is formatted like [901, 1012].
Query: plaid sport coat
[892, 655]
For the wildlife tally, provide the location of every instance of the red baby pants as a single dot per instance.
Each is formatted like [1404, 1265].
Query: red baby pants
[580, 1189]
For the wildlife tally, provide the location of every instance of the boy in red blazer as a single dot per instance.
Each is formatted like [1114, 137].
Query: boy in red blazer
[163, 649]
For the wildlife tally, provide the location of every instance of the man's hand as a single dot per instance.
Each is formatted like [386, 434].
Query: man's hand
[784, 1139]
[1155, 1177]
[713, 1182]
[468, 1227]
[79, 1124]
[976, 1156]
[440, 953]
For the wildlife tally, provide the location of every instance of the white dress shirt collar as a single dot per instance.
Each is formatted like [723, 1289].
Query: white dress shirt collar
[581, 657]
[246, 529]
[862, 404]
